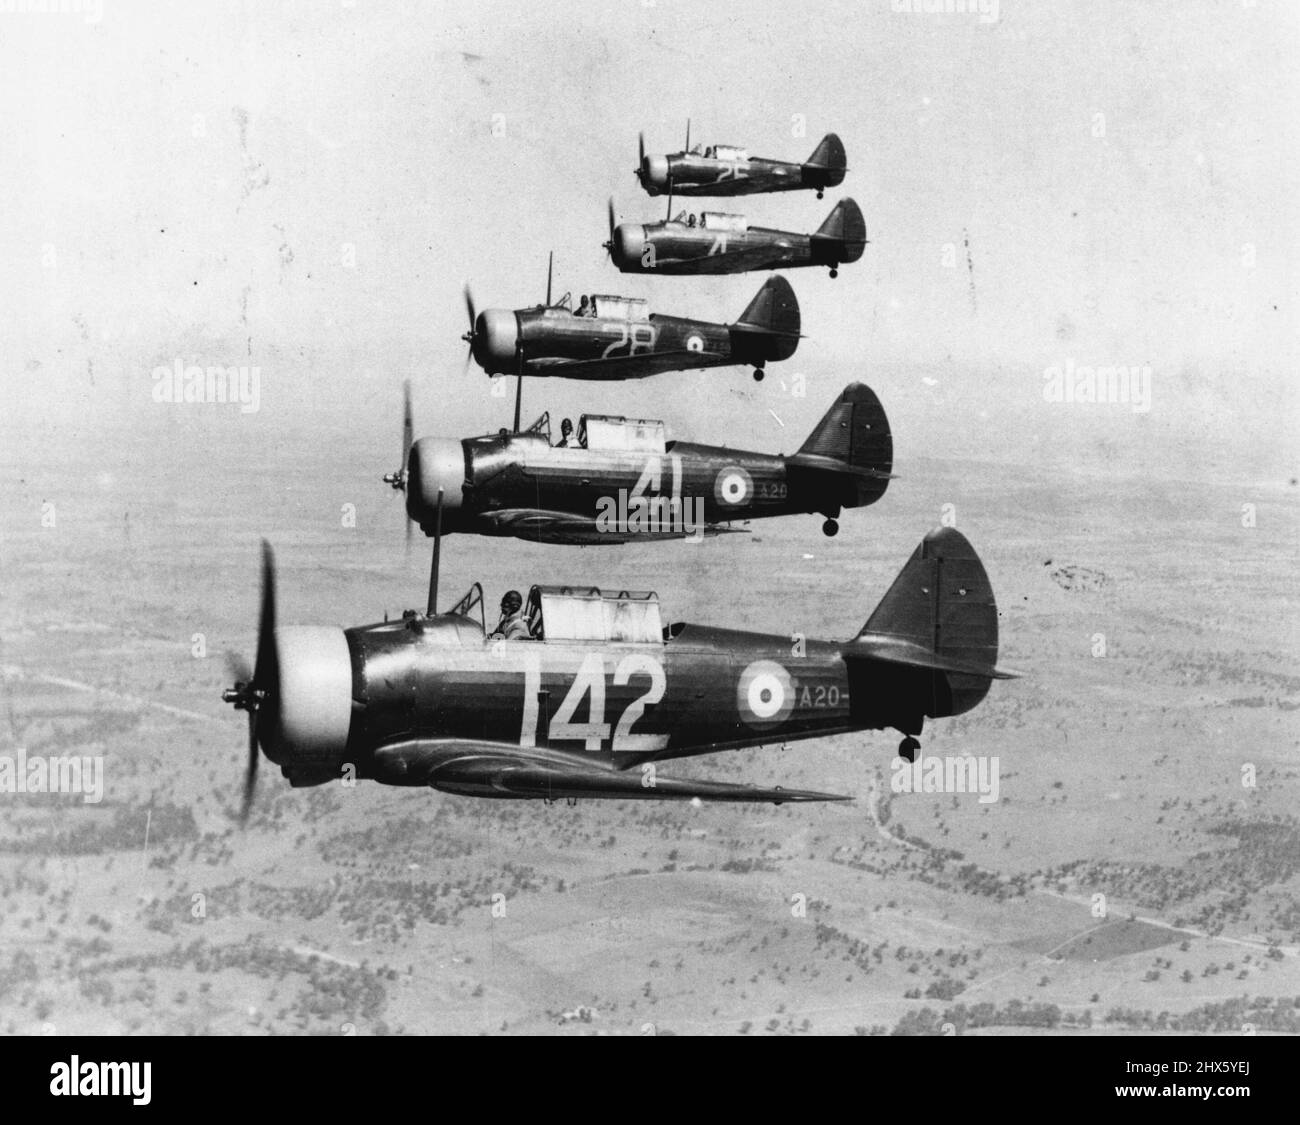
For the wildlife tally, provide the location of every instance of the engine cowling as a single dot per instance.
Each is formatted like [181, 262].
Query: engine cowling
[435, 463]
[311, 704]
[654, 172]
[629, 245]
[496, 335]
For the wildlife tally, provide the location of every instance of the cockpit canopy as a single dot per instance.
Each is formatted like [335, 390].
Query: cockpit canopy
[585, 613]
[620, 308]
[726, 152]
[614, 432]
[718, 220]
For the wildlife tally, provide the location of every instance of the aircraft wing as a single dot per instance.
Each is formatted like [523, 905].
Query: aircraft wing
[637, 366]
[498, 769]
[543, 526]
[546, 526]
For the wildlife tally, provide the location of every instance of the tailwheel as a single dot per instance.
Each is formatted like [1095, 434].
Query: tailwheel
[908, 749]
[820, 193]
[834, 272]
[758, 374]
[831, 527]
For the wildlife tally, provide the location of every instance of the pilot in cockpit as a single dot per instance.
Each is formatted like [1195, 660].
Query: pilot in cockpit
[512, 625]
[566, 432]
[584, 306]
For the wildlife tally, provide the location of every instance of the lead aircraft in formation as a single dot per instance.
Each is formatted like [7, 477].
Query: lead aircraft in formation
[601, 689]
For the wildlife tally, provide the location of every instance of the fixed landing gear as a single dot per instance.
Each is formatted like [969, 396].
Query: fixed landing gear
[834, 272]
[831, 528]
[908, 749]
[820, 192]
[758, 374]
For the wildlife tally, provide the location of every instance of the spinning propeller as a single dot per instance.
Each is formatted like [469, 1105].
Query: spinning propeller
[469, 337]
[258, 693]
[613, 229]
[397, 480]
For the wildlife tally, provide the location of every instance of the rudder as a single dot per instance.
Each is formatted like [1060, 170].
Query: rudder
[843, 236]
[773, 312]
[942, 600]
[854, 430]
[932, 640]
[854, 435]
[826, 166]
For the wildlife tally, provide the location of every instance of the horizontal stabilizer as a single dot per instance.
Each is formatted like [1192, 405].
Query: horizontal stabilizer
[831, 465]
[893, 650]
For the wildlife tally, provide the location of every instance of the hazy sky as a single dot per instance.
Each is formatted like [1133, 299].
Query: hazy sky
[307, 187]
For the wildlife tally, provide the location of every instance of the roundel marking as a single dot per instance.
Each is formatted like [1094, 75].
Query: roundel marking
[733, 486]
[764, 694]
[694, 343]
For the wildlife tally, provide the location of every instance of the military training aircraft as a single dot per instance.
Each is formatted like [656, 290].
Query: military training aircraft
[609, 337]
[619, 480]
[580, 692]
[721, 243]
[725, 170]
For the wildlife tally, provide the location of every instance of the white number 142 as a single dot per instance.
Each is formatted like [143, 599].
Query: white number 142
[590, 683]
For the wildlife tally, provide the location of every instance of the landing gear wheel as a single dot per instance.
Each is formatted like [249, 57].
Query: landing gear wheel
[820, 193]
[834, 272]
[758, 374]
[831, 528]
[907, 749]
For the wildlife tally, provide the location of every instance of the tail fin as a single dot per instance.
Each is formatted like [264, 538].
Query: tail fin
[940, 619]
[769, 326]
[853, 435]
[842, 237]
[829, 154]
[826, 166]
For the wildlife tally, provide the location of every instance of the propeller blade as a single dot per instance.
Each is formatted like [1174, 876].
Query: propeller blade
[408, 425]
[688, 134]
[250, 776]
[640, 163]
[408, 439]
[469, 336]
[550, 269]
[264, 671]
[612, 224]
[469, 308]
[257, 692]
